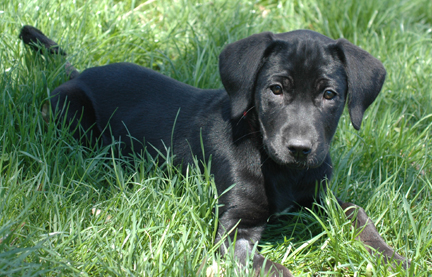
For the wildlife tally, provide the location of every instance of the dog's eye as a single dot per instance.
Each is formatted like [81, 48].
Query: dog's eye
[276, 89]
[329, 94]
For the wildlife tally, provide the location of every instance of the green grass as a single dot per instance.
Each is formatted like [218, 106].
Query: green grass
[69, 210]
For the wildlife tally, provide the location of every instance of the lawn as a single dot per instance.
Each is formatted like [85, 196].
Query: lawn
[70, 210]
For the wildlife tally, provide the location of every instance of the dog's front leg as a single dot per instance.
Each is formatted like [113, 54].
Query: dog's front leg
[370, 236]
[245, 237]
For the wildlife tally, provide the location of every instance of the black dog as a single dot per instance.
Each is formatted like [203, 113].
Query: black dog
[269, 132]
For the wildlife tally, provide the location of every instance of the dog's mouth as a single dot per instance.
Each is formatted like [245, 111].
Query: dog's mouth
[285, 158]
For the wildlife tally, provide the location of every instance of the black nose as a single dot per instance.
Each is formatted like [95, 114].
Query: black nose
[299, 149]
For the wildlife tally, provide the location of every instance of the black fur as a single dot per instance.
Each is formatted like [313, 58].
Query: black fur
[269, 133]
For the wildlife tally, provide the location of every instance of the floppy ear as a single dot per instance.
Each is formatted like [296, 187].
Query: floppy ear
[366, 77]
[239, 63]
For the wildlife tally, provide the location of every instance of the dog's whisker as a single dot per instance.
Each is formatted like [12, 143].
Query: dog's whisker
[264, 161]
[244, 115]
[246, 135]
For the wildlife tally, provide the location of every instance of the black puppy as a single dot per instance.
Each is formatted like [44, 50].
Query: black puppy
[269, 133]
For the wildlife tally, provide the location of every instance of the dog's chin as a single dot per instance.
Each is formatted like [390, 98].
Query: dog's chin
[302, 165]
[287, 160]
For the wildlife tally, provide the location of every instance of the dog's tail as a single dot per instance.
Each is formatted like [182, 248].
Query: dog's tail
[35, 38]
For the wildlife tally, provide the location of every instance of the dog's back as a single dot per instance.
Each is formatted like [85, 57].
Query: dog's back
[131, 109]
[135, 107]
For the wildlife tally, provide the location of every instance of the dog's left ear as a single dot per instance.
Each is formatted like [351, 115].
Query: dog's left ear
[239, 63]
[366, 76]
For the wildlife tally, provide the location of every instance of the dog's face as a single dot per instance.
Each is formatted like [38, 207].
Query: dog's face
[297, 83]
[299, 95]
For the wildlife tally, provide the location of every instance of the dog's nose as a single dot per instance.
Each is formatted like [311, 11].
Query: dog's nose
[299, 149]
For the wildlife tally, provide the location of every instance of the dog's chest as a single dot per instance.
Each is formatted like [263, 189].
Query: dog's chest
[288, 189]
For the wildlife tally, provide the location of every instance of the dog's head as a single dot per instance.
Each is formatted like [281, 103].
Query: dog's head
[297, 83]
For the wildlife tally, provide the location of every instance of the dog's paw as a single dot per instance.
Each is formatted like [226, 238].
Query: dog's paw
[214, 270]
[45, 112]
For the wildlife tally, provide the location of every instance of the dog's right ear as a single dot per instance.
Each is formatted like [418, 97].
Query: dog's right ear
[239, 63]
[366, 76]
